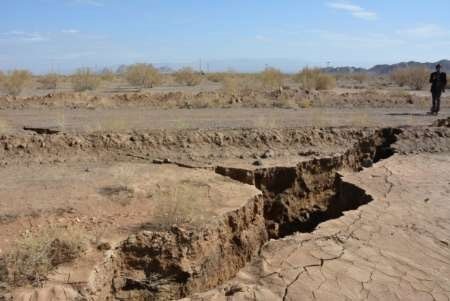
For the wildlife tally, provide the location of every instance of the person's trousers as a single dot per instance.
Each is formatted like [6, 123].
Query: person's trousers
[436, 101]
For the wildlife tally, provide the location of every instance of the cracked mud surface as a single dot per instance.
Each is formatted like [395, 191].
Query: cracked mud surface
[393, 248]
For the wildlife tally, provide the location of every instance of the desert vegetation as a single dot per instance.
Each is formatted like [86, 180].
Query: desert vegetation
[360, 77]
[187, 76]
[414, 77]
[271, 78]
[217, 77]
[35, 254]
[48, 81]
[13, 82]
[107, 74]
[315, 79]
[84, 79]
[143, 75]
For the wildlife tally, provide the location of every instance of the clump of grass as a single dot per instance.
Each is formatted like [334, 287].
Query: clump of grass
[48, 81]
[143, 75]
[36, 254]
[414, 77]
[181, 205]
[187, 76]
[12, 83]
[107, 75]
[85, 79]
[271, 78]
[315, 79]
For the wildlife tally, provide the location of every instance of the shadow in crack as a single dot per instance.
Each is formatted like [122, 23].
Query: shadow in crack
[409, 114]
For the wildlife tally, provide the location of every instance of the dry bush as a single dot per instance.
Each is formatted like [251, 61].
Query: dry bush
[271, 78]
[232, 85]
[187, 76]
[399, 76]
[240, 84]
[315, 79]
[48, 81]
[413, 77]
[107, 75]
[181, 204]
[85, 79]
[143, 75]
[13, 82]
[216, 77]
[36, 254]
[360, 77]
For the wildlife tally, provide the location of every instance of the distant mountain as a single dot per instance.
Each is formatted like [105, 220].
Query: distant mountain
[385, 69]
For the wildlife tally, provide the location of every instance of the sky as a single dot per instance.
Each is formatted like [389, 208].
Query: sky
[62, 35]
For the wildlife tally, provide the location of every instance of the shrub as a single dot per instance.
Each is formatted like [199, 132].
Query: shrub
[48, 81]
[240, 84]
[143, 75]
[216, 77]
[36, 254]
[315, 79]
[187, 76]
[271, 78]
[360, 77]
[399, 76]
[85, 79]
[414, 77]
[14, 82]
[107, 75]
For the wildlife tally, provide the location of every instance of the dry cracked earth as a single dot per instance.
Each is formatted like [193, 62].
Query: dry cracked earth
[232, 213]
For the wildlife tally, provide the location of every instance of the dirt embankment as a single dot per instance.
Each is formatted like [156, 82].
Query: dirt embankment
[203, 146]
[281, 98]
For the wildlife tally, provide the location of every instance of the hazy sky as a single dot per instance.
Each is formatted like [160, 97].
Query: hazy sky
[42, 35]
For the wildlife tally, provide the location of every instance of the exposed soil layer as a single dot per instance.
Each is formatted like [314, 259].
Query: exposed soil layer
[288, 97]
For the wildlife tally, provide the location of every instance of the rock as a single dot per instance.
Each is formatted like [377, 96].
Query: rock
[267, 154]
[258, 162]
[367, 163]
[104, 246]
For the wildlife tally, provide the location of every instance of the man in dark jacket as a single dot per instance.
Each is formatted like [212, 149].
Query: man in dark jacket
[438, 81]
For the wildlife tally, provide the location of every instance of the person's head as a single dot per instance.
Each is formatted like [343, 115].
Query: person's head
[438, 67]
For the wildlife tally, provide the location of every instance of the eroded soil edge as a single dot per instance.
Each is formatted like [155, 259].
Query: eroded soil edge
[174, 263]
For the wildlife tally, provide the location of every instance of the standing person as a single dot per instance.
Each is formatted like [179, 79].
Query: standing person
[438, 81]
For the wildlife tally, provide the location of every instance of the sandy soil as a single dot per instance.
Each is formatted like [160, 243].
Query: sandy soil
[127, 119]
